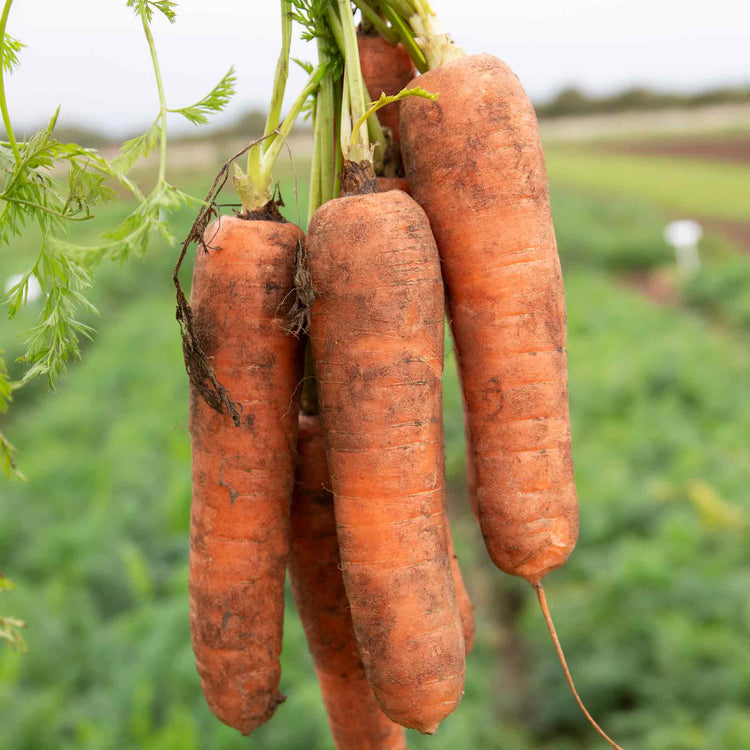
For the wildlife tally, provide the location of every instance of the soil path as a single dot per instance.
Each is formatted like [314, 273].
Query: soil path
[728, 149]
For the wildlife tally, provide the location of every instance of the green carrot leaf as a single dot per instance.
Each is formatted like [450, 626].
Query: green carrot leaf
[138, 148]
[145, 9]
[9, 50]
[214, 101]
[308, 67]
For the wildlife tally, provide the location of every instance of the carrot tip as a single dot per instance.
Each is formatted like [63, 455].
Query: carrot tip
[561, 656]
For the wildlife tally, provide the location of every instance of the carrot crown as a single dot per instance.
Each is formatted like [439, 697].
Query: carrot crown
[361, 141]
[417, 28]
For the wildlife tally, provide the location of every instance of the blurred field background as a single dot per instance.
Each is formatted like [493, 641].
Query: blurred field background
[653, 606]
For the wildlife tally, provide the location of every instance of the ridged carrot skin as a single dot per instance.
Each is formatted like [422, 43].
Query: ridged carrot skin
[243, 477]
[386, 69]
[377, 342]
[465, 606]
[356, 721]
[474, 162]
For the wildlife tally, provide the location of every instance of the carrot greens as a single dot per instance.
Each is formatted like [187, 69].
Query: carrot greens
[52, 185]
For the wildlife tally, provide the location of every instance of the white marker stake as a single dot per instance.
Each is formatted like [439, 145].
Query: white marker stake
[684, 236]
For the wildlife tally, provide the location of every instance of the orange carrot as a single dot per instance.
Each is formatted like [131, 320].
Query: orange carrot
[377, 343]
[356, 721]
[474, 161]
[386, 69]
[465, 606]
[242, 476]
[393, 183]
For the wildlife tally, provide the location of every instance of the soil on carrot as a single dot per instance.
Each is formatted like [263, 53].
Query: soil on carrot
[270, 212]
[304, 293]
[358, 178]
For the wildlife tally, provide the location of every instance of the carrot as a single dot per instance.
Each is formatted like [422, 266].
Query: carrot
[474, 162]
[377, 343]
[465, 607]
[242, 476]
[356, 721]
[386, 69]
[393, 183]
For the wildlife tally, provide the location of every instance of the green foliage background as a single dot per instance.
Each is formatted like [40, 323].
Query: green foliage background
[652, 607]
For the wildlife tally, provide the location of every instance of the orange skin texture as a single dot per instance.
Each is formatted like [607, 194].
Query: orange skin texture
[393, 183]
[243, 477]
[377, 343]
[474, 162]
[462, 595]
[465, 607]
[385, 69]
[356, 721]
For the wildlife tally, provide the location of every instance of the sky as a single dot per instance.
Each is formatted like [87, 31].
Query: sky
[91, 56]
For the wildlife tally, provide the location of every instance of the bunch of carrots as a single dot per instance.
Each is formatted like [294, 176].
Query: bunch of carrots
[316, 364]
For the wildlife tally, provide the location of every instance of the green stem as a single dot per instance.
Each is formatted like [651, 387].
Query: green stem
[314, 199]
[326, 114]
[254, 155]
[162, 102]
[282, 71]
[45, 209]
[359, 143]
[383, 28]
[357, 92]
[3, 102]
[345, 118]
[334, 23]
[384, 101]
[269, 158]
[377, 138]
[254, 188]
[407, 39]
[339, 157]
[404, 8]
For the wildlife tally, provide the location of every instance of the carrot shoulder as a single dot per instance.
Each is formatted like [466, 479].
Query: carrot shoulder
[377, 342]
[242, 476]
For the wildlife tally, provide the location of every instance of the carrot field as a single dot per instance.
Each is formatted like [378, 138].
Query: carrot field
[702, 175]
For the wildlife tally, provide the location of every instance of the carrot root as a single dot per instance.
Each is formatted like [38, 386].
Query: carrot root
[561, 656]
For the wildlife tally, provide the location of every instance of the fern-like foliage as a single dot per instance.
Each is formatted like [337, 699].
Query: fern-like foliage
[51, 185]
[311, 15]
[214, 101]
[145, 9]
[9, 53]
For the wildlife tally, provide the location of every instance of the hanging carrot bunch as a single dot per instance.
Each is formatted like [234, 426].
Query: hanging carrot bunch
[352, 490]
